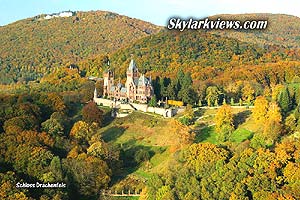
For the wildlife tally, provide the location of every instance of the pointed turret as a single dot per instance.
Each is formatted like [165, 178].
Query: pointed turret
[132, 73]
[132, 66]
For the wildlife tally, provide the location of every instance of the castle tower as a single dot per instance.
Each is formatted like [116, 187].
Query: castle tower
[132, 75]
[132, 71]
[108, 77]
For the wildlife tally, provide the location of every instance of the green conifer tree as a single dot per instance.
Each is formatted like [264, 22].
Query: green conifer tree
[284, 100]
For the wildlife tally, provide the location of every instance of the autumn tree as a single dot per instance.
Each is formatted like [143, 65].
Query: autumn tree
[39, 162]
[212, 95]
[297, 112]
[53, 127]
[91, 113]
[82, 131]
[88, 174]
[55, 101]
[273, 126]
[276, 91]
[260, 109]
[224, 122]
[56, 169]
[103, 150]
[15, 125]
[29, 109]
[203, 157]
[248, 93]
[8, 189]
[292, 176]
[165, 192]
[99, 87]
[290, 123]
[87, 91]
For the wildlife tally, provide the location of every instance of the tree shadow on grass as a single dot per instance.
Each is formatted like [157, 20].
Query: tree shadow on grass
[128, 157]
[205, 134]
[107, 118]
[113, 133]
[199, 112]
[240, 118]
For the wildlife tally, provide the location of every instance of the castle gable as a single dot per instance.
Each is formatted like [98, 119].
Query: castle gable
[143, 81]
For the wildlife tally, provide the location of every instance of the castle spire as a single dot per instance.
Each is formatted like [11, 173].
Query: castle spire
[132, 66]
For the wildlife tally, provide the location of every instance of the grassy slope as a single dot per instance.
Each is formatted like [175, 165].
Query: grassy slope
[155, 134]
[205, 131]
[142, 131]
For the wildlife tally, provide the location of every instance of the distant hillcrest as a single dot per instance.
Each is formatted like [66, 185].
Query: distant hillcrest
[34, 46]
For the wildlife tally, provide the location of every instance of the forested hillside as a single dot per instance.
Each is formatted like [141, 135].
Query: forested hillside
[201, 53]
[32, 47]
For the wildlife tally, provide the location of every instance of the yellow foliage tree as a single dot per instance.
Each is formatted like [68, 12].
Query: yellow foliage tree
[272, 128]
[82, 131]
[56, 102]
[248, 93]
[276, 90]
[260, 110]
[224, 122]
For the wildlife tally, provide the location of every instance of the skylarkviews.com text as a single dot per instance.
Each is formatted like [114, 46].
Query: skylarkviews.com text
[218, 24]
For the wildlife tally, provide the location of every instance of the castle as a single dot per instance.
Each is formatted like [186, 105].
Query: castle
[137, 88]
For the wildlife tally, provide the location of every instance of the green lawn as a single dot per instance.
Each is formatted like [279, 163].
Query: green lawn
[207, 134]
[142, 174]
[240, 135]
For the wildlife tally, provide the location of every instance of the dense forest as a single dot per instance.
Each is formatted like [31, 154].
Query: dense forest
[39, 144]
[238, 137]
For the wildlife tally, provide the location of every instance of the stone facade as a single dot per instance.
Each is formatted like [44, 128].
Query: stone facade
[133, 106]
[137, 87]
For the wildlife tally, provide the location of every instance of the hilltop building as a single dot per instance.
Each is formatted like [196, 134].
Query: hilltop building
[61, 14]
[137, 86]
